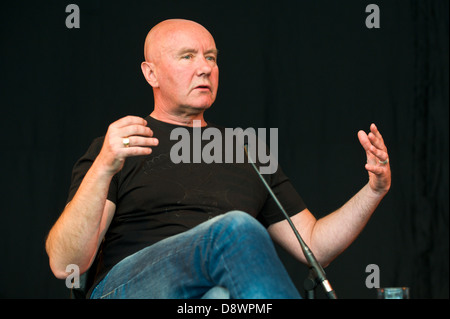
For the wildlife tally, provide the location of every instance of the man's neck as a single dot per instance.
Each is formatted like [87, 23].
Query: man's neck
[178, 119]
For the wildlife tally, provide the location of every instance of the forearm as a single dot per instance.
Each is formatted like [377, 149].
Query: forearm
[74, 237]
[332, 234]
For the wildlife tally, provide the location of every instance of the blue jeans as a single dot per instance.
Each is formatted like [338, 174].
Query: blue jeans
[233, 251]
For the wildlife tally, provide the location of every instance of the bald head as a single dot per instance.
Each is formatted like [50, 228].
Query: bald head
[164, 32]
[181, 66]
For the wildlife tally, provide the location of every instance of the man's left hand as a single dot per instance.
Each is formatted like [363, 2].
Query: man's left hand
[377, 160]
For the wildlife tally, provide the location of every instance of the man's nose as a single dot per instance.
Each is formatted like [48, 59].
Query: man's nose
[204, 67]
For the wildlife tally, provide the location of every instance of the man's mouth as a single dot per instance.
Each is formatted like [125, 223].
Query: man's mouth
[203, 87]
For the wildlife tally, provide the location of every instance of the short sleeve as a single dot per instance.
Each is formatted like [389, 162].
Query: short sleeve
[287, 196]
[83, 165]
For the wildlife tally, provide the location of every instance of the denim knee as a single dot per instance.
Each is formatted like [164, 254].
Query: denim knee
[240, 223]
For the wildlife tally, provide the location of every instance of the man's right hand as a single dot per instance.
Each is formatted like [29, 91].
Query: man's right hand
[114, 152]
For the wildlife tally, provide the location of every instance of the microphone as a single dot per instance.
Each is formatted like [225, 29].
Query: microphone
[316, 270]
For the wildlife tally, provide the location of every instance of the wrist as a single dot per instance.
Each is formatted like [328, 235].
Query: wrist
[101, 170]
[376, 193]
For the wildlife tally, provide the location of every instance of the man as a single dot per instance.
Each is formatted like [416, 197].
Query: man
[177, 230]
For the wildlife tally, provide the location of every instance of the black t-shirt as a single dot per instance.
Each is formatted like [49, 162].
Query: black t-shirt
[156, 198]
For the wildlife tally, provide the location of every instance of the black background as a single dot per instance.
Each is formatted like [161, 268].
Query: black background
[312, 69]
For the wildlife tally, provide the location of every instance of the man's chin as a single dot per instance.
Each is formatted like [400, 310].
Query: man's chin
[201, 107]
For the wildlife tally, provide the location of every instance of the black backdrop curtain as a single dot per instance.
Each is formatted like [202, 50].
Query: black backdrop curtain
[312, 69]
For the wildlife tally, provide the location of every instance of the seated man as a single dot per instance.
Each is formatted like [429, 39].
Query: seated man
[175, 230]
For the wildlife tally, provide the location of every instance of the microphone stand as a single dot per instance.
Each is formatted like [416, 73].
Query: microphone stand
[316, 272]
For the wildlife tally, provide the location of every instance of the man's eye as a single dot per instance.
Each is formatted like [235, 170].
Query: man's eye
[187, 56]
[211, 58]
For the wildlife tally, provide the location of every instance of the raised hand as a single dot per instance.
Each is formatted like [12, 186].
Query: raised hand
[128, 136]
[377, 160]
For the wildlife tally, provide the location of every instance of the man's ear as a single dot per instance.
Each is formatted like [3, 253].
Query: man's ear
[148, 69]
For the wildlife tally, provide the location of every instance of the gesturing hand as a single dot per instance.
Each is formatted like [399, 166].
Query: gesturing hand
[377, 160]
[128, 136]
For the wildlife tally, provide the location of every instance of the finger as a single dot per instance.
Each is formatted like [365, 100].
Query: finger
[135, 145]
[136, 129]
[374, 130]
[364, 140]
[377, 142]
[365, 143]
[135, 151]
[376, 133]
[378, 147]
[375, 169]
[381, 155]
[142, 141]
[374, 155]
